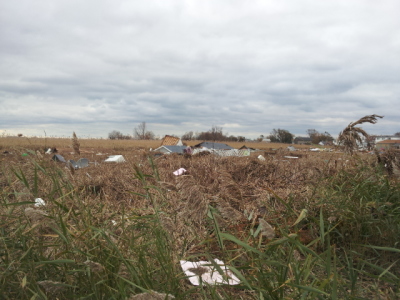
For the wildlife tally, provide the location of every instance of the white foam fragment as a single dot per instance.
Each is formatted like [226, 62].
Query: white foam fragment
[208, 273]
[179, 172]
[39, 202]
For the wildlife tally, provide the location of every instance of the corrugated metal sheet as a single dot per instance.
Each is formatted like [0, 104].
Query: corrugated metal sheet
[212, 145]
[224, 153]
[170, 149]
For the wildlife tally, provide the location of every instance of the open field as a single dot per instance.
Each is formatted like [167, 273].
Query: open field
[119, 144]
[323, 226]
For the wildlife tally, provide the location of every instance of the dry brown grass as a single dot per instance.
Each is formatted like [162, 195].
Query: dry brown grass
[41, 143]
[351, 136]
[273, 192]
[233, 185]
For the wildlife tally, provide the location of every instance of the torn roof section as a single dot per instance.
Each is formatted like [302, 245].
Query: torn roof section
[169, 140]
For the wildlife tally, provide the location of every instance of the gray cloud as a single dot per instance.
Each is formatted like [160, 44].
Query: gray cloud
[95, 66]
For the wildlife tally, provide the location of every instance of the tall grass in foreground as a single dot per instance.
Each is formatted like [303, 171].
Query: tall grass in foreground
[343, 244]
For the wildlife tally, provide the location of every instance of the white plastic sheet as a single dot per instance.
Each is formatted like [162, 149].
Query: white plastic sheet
[115, 158]
[208, 273]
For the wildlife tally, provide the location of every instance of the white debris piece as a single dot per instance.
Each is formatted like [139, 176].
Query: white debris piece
[39, 202]
[208, 273]
[115, 158]
[48, 151]
[260, 157]
[179, 172]
[291, 157]
[315, 149]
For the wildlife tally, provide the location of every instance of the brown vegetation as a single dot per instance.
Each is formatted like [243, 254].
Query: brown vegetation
[351, 136]
[108, 204]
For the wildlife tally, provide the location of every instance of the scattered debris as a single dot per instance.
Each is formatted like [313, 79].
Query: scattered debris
[291, 148]
[72, 163]
[59, 158]
[260, 157]
[25, 154]
[290, 156]
[266, 229]
[115, 158]
[51, 150]
[205, 271]
[169, 140]
[315, 149]
[188, 150]
[168, 149]
[82, 163]
[179, 172]
[39, 202]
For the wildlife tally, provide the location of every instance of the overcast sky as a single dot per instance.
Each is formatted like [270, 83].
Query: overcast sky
[95, 66]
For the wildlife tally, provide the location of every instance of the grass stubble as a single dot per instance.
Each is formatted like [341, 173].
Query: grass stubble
[324, 226]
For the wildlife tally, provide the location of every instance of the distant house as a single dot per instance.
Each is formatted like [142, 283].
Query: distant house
[388, 144]
[299, 140]
[170, 149]
[381, 138]
[212, 145]
[170, 140]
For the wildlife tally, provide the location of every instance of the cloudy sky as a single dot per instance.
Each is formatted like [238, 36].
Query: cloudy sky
[95, 66]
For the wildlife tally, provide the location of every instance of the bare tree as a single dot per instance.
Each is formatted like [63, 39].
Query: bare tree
[317, 137]
[117, 135]
[214, 134]
[351, 136]
[141, 132]
[281, 136]
[188, 136]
